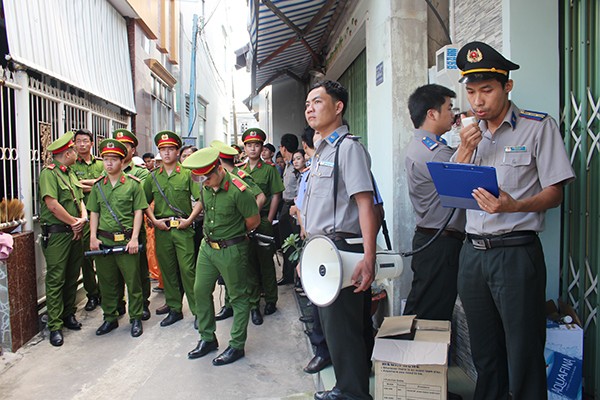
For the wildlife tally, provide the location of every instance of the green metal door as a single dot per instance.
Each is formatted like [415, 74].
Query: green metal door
[355, 80]
[581, 212]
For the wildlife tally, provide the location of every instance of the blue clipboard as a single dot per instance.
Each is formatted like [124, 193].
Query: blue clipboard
[455, 183]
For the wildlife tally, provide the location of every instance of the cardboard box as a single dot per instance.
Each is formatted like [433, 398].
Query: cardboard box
[411, 359]
[564, 354]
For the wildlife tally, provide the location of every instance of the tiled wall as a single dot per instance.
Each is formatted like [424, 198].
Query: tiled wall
[478, 20]
[18, 294]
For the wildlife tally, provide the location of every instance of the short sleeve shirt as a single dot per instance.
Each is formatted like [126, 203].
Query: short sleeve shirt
[529, 155]
[354, 171]
[290, 182]
[248, 180]
[59, 182]
[125, 197]
[423, 148]
[136, 171]
[179, 188]
[92, 170]
[226, 209]
[267, 178]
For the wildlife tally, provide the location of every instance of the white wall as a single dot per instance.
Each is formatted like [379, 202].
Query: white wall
[288, 109]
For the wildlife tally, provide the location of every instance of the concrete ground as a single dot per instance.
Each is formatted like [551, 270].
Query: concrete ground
[155, 365]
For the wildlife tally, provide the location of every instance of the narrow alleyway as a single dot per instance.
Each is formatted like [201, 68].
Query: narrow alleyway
[155, 365]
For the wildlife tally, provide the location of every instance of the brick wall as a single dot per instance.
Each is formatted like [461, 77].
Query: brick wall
[478, 20]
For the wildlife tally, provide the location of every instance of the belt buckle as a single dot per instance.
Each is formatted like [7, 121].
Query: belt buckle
[215, 245]
[118, 237]
[479, 244]
[173, 223]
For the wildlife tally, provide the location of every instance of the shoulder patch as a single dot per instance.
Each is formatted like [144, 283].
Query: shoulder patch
[239, 184]
[241, 173]
[135, 178]
[536, 116]
[353, 137]
[51, 166]
[429, 143]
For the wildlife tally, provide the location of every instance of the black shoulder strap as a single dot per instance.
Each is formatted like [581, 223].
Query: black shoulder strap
[112, 212]
[77, 205]
[176, 210]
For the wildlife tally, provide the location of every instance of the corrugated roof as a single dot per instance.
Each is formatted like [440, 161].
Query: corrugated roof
[287, 37]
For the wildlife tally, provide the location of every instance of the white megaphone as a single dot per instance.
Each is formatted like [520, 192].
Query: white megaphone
[325, 270]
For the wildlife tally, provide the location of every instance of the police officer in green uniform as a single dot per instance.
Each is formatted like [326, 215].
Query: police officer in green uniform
[87, 168]
[227, 156]
[130, 141]
[502, 273]
[117, 205]
[261, 258]
[172, 189]
[63, 217]
[230, 211]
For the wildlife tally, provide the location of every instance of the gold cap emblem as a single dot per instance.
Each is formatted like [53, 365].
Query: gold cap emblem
[110, 145]
[120, 134]
[164, 137]
[474, 56]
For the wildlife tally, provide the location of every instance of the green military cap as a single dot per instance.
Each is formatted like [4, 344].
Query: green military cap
[62, 143]
[125, 136]
[254, 135]
[112, 146]
[479, 61]
[167, 138]
[202, 161]
[225, 150]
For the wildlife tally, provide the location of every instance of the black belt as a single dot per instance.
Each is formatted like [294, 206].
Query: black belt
[56, 228]
[446, 232]
[114, 235]
[518, 238]
[222, 244]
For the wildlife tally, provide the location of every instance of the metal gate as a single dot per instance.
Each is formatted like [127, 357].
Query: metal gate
[581, 212]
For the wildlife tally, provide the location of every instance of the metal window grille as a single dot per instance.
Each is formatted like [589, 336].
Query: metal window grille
[581, 214]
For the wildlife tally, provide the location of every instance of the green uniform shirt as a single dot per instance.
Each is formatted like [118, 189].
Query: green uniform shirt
[60, 183]
[178, 187]
[83, 170]
[248, 180]
[136, 171]
[267, 178]
[125, 198]
[226, 209]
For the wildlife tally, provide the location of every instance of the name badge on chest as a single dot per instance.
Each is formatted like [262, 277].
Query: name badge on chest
[515, 149]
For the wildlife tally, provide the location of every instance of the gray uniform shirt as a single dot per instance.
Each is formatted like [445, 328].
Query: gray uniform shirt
[425, 200]
[290, 182]
[354, 166]
[529, 155]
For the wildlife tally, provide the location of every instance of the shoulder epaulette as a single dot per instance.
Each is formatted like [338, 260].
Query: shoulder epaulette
[239, 184]
[51, 166]
[353, 137]
[429, 143]
[135, 178]
[241, 173]
[537, 116]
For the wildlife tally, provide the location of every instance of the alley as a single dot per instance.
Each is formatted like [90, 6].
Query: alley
[155, 365]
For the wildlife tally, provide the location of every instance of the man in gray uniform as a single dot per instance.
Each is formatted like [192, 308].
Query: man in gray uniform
[346, 213]
[433, 291]
[502, 274]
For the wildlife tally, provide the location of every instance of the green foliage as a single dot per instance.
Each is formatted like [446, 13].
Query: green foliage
[294, 241]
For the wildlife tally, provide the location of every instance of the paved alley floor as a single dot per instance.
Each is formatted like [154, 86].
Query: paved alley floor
[155, 365]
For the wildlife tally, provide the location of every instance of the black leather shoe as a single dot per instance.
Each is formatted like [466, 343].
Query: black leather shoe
[91, 304]
[306, 319]
[228, 356]
[203, 349]
[270, 308]
[71, 323]
[317, 364]
[121, 309]
[164, 309]
[282, 282]
[224, 313]
[136, 328]
[107, 327]
[333, 394]
[56, 338]
[173, 317]
[256, 317]
[146, 314]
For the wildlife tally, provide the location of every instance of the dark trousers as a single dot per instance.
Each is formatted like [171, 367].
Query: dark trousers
[344, 326]
[435, 270]
[287, 226]
[503, 294]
